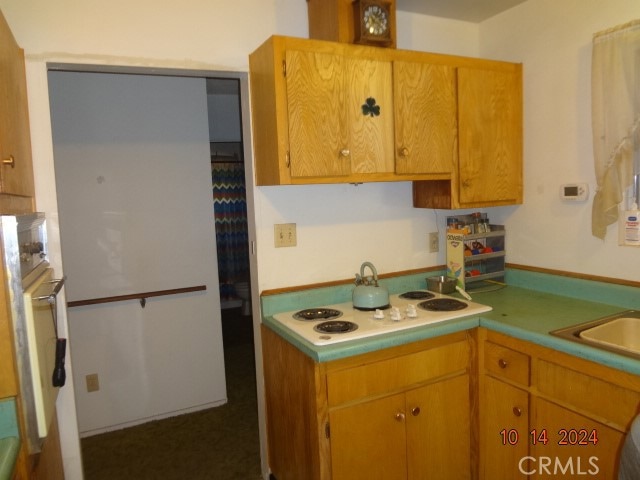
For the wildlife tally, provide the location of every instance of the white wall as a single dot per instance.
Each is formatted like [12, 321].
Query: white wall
[553, 40]
[132, 172]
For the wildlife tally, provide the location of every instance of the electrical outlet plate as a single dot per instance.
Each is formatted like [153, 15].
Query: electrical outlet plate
[93, 384]
[434, 242]
[285, 235]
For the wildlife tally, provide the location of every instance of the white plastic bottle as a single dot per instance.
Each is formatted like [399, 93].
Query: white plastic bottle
[632, 226]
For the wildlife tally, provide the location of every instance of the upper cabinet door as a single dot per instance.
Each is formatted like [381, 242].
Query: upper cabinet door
[16, 171]
[340, 114]
[490, 120]
[318, 137]
[426, 117]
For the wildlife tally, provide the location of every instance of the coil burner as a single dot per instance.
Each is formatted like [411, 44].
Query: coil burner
[442, 305]
[417, 295]
[317, 314]
[335, 326]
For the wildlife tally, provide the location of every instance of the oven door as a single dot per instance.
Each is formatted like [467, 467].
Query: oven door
[40, 316]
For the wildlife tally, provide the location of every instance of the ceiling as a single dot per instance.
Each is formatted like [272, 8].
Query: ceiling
[467, 10]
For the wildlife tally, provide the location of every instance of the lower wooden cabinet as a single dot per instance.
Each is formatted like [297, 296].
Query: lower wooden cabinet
[398, 413]
[571, 415]
[476, 404]
[504, 423]
[423, 433]
[570, 445]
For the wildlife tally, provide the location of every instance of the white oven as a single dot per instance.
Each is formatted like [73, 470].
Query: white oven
[32, 298]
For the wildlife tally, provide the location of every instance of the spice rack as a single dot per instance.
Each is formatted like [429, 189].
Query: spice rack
[473, 257]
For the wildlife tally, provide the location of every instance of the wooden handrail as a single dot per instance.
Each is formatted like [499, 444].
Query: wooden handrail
[133, 296]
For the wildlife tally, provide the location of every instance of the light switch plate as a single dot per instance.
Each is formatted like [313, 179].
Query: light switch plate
[285, 235]
[434, 242]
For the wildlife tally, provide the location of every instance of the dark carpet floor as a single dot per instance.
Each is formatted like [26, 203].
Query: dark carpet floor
[219, 443]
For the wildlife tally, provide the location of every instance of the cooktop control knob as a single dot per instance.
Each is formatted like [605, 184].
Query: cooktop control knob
[411, 311]
[379, 314]
[396, 316]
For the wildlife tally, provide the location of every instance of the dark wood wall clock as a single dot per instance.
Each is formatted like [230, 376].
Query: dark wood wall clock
[370, 22]
[373, 24]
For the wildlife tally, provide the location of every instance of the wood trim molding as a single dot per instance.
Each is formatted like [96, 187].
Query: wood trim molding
[335, 283]
[529, 268]
[582, 276]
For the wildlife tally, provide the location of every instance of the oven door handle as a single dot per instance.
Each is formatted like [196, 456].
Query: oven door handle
[51, 298]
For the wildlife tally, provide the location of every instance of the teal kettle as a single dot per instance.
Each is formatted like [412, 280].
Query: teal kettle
[368, 294]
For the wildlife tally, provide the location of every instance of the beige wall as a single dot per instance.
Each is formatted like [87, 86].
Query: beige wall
[553, 40]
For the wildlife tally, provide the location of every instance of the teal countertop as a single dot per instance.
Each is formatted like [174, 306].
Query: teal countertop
[528, 307]
[9, 438]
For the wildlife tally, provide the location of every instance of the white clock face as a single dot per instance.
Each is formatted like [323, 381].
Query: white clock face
[376, 20]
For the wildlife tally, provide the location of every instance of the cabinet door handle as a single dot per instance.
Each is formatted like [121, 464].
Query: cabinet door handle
[502, 363]
[11, 161]
[399, 416]
[517, 411]
[345, 152]
[466, 183]
[415, 411]
[404, 152]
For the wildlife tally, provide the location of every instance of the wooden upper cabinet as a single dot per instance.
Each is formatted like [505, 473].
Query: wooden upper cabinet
[490, 115]
[425, 117]
[489, 166]
[340, 115]
[327, 112]
[16, 171]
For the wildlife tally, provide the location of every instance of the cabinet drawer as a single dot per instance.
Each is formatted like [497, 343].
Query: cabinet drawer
[395, 374]
[506, 363]
[613, 404]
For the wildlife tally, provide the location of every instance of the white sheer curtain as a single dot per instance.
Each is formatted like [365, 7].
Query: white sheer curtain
[615, 84]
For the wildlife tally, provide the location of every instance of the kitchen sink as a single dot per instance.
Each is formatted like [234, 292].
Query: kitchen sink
[619, 333]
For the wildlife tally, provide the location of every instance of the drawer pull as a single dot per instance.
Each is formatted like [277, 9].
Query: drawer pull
[502, 363]
[399, 417]
[11, 161]
[415, 411]
[517, 411]
[345, 152]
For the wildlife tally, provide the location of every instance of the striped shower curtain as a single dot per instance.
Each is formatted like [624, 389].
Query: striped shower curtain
[230, 210]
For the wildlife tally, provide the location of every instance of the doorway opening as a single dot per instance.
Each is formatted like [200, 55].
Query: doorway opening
[170, 442]
[230, 208]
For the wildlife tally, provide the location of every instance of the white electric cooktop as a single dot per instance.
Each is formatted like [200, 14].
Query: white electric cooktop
[342, 322]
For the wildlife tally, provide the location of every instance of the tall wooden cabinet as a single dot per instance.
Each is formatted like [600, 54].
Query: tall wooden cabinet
[16, 171]
[326, 112]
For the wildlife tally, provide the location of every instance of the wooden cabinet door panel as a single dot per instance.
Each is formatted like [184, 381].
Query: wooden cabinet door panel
[15, 139]
[504, 425]
[426, 117]
[317, 128]
[579, 456]
[438, 434]
[490, 123]
[371, 125]
[368, 440]
[333, 131]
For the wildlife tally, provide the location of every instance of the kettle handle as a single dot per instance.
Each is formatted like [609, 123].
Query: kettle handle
[373, 270]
